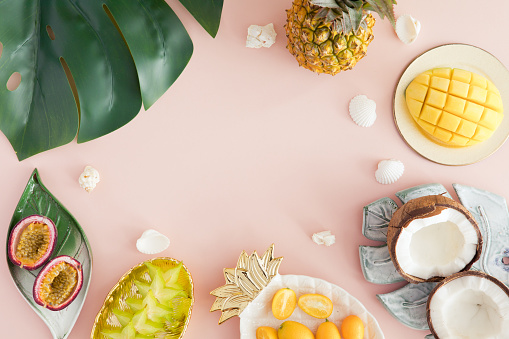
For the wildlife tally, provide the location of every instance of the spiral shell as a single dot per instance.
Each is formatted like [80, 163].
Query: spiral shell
[389, 171]
[407, 28]
[152, 242]
[362, 110]
[89, 178]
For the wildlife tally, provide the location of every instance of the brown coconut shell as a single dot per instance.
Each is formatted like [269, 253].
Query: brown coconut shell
[425, 207]
[451, 278]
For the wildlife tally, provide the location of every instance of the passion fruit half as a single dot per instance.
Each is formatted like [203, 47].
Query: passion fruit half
[58, 283]
[32, 241]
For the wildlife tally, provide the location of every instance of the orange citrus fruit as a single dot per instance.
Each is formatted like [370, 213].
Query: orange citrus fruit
[316, 305]
[283, 303]
[265, 332]
[327, 330]
[352, 328]
[294, 330]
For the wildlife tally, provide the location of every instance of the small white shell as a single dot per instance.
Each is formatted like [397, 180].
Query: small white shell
[89, 178]
[324, 238]
[389, 171]
[152, 242]
[261, 36]
[407, 28]
[362, 110]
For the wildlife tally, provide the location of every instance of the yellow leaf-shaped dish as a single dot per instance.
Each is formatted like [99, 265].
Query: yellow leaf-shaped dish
[106, 320]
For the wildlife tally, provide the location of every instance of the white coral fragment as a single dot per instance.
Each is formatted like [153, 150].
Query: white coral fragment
[324, 238]
[152, 242]
[407, 28]
[89, 178]
[260, 36]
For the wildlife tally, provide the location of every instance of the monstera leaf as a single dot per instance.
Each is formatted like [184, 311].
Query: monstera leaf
[86, 66]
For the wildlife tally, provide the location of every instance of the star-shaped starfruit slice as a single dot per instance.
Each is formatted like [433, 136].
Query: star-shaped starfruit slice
[123, 317]
[128, 332]
[155, 310]
[144, 325]
[162, 293]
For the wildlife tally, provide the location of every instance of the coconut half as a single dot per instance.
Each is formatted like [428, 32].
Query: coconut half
[432, 237]
[469, 305]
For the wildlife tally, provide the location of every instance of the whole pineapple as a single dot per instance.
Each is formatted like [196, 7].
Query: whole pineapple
[330, 36]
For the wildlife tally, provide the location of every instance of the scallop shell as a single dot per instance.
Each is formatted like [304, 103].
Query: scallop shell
[407, 28]
[389, 171]
[152, 242]
[362, 110]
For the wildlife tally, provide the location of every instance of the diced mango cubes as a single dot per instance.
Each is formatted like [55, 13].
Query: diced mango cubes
[454, 107]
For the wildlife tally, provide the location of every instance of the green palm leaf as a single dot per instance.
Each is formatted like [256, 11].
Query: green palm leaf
[86, 66]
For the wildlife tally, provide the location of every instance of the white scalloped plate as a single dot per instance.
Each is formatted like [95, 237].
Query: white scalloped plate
[467, 57]
[259, 313]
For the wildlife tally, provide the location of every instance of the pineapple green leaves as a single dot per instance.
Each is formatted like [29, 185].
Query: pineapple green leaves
[347, 15]
[87, 66]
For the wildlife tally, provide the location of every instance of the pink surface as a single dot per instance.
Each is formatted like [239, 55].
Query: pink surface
[245, 150]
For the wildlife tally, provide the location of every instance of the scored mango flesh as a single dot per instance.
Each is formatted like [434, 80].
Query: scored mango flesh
[33, 243]
[58, 284]
[455, 107]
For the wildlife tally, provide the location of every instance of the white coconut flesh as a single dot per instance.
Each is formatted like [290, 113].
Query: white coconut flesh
[470, 307]
[437, 246]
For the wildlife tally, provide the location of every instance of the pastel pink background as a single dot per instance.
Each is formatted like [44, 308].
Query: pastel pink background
[247, 149]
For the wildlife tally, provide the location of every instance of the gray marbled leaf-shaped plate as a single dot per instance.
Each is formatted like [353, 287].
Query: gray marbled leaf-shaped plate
[72, 241]
[408, 304]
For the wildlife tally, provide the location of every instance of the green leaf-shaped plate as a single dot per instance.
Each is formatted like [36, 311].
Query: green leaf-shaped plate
[125, 288]
[72, 241]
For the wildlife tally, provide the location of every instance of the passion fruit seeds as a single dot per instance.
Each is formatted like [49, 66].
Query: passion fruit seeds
[32, 241]
[58, 283]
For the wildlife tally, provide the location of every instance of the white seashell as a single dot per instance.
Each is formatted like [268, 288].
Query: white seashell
[152, 242]
[389, 171]
[89, 178]
[260, 36]
[362, 110]
[407, 28]
[324, 238]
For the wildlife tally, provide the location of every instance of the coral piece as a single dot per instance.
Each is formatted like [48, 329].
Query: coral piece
[261, 36]
[324, 238]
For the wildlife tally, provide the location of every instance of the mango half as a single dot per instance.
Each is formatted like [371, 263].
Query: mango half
[454, 107]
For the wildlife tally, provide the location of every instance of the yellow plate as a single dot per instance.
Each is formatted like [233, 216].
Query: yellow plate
[125, 288]
[469, 58]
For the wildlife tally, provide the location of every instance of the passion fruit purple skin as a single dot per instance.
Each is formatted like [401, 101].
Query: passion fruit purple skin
[15, 235]
[42, 274]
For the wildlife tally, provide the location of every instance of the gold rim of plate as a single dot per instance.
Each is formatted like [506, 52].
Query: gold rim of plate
[125, 288]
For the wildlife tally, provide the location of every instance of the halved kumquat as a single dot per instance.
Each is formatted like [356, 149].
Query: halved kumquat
[316, 305]
[284, 303]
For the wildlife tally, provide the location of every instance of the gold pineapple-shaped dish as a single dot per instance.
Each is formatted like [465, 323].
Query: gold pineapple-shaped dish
[251, 285]
[244, 282]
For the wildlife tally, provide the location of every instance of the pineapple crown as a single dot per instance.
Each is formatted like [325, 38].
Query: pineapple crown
[347, 15]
